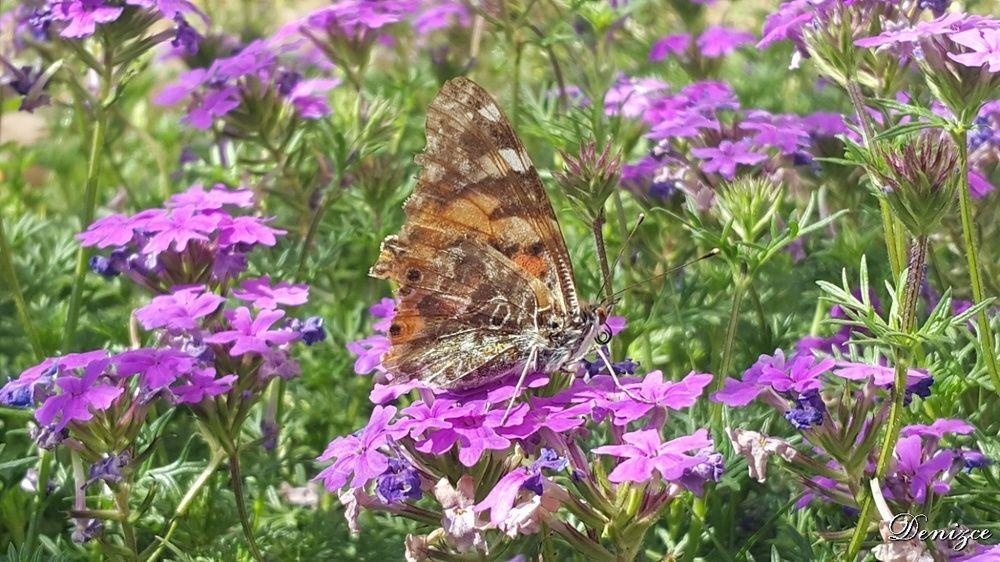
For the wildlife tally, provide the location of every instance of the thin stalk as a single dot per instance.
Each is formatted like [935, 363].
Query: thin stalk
[38, 508]
[213, 464]
[121, 503]
[972, 257]
[901, 357]
[739, 292]
[602, 255]
[20, 305]
[236, 481]
[89, 200]
[892, 229]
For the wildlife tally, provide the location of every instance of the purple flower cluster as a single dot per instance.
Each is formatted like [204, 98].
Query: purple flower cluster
[701, 137]
[714, 42]
[255, 75]
[538, 448]
[195, 239]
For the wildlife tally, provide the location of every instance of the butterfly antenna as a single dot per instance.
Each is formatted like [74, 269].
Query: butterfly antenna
[621, 253]
[614, 376]
[714, 252]
[519, 386]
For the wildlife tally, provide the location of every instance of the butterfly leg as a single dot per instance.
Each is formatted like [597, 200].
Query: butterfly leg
[528, 365]
[614, 376]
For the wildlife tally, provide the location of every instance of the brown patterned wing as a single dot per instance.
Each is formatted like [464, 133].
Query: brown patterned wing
[464, 309]
[480, 260]
[477, 178]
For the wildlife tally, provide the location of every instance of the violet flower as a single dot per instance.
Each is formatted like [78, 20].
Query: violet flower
[249, 334]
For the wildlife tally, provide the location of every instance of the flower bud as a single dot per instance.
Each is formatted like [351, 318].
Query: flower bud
[590, 178]
[919, 175]
[748, 204]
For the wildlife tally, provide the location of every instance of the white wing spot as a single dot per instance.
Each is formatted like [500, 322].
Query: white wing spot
[491, 112]
[517, 160]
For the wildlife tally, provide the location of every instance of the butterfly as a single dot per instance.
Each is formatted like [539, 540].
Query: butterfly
[484, 282]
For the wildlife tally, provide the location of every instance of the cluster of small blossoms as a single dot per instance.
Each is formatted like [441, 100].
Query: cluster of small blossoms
[216, 335]
[557, 459]
[133, 25]
[834, 404]
[701, 137]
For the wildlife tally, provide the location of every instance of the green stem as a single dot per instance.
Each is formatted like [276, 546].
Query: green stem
[891, 226]
[121, 503]
[741, 282]
[602, 255]
[89, 205]
[972, 256]
[38, 509]
[23, 314]
[901, 357]
[236, 481]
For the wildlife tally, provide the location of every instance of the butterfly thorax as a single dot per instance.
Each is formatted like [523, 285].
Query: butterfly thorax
[568, 339]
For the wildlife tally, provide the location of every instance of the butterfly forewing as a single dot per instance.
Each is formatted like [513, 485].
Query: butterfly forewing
[480, 260]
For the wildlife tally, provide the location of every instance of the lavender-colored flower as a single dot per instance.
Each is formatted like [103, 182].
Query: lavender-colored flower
[157, 368]
[710, 469]
[915, 472]
[879, 375]
[356, 458]
[440, 14]
[309, 99]
[808, 411]
[369, 352]
[263, 295]
[201, 384]
[249, 334]
[109, 469]
[644, 453]
[248, 230]
[677, 45]
[983, 45]
[399, 483]
[653, 392]
[473, 432]
[213, 199]
[82, 16]
[178, 228]
[459, 519]
[180, 310]
[939, 428]
[717, 41]
[312, 330]
[79, 396]
[186, 38]
[724, 158]
[631, 97]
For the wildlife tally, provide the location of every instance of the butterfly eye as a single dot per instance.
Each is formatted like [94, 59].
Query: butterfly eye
[603, 337]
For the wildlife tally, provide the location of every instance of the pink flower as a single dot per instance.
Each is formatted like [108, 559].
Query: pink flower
[177, 228]
[369, 352]
[717, 41]
[180, 310]
[201, 384]
[248, 230]
[252, 335]
[309, 99]
[265, 296]
[79, 396]
[201, 199]
[356, 457]
[644, 453]
[83, 16]
[676, 44]
[724, 159]
[984, 45]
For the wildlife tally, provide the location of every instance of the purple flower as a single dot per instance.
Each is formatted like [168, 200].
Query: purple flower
[984, 46]
[441, 14]
[879, 375]
[724, 158]
[938, 429]
[211, 106]
[356, 457]
[369, 352]
[709, 470]
[631, 97]
[82, 16]
[186, 38]
[200, 199]
[717, 41]
[808, 411]
[109, 469]
[676, 44]
[473, 431]
[251, 335]
[79, 396]
[801, 375]
[399, 483]
[265, 296]
[652, 392]
[157, 368]
[248, 230]
[180, 310]
[201, 384]
[312, 330]
[644, 453]
[914, 473]
[116, 230]
[308, 99]
[177, 228]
